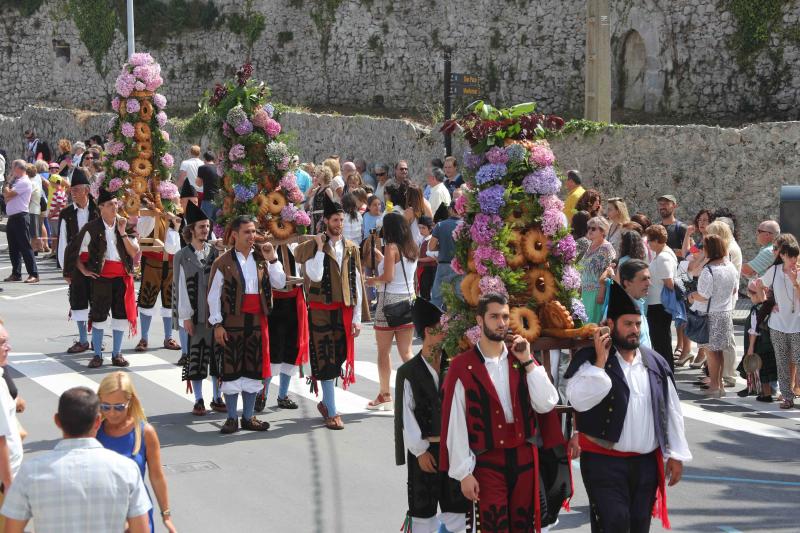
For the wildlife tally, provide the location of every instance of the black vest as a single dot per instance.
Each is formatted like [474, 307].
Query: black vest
[604, 421]
[98, 245]
[427, 402]
[70, 216]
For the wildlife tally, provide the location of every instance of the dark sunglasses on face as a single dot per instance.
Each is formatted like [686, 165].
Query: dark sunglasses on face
[380, 173]
[402, 170]
[118, 407]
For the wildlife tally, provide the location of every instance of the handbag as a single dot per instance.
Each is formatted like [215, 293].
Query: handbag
[697, 323]
[399, 313]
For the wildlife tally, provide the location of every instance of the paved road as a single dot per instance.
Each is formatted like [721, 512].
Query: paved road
[300, 477]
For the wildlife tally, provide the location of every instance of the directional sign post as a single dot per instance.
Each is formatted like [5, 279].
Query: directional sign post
[456, 85]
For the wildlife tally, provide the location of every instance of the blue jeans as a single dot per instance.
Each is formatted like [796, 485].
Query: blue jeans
[207, 206]
[444, 275]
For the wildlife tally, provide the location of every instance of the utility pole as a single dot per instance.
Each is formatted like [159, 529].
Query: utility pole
[598, 62]
[131, 43]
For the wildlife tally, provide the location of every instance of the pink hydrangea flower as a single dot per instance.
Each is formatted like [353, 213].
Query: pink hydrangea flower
[302, 218]
[119, 164]
[127, 129]
[154, 84]
[461, 204]
[139, 86]
[167, 160]
[140, 58]
[165, 135]
[473, 334]
[542, 156]
[132, 105]
[260, 118]
[552, 202]
[272, 127]
[115, 103]
[456, 266]
[161, 118]
[238, 167]
[115, 184]
[124, 84]
[295, 195]
[289, 181]
[487, 254]
[236, 152]
[114, 148]
[492, 284]
[160, 101]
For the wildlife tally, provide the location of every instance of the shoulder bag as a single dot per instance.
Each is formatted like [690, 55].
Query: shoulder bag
[399, 313]
[697, 323]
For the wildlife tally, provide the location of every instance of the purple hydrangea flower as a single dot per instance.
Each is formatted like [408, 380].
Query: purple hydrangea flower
[497, 156]
[567, 248]
[542, 181]
[472, 161]
[160, 100]
[244, 193]
[484, 228]
[490, 172]
[127, 129]
[579, 311]
[167, 160]
[132, 105]
[119, 164]
[244, 127]
[571, 278]
[236, 152]
[491, 200]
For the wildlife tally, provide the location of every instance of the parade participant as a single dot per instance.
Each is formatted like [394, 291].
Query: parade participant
[239, 300]
[71, 221]
[337, 303]
[191, 272]
[629, 419]
[417, 426]
[157, 274]
[188, 195]
[489, 423]
[288, 333]
[110, 272]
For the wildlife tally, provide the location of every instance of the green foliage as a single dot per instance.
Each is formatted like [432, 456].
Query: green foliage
[158, 20]
[26, 8]
[375, 44]
[583, 126]
[96, 21]
[249, 24]
[756, 21]
[324, 15]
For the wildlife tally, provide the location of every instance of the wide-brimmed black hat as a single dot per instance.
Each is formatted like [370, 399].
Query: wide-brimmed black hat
[424, 314]
[193, 214]
[187, 191]
[620, 303]
[330, 207]
[104, 196]
[78, 178]
[442, 213]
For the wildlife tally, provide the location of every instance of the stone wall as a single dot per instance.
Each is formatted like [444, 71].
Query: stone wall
[669, 58]
[742, 169]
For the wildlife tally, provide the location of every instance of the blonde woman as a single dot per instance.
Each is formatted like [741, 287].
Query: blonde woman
[125, 430]
[321, 188]
[337, 182]
[617, 212]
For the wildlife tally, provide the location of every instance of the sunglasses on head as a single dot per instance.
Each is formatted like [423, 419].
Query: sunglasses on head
[118, 407]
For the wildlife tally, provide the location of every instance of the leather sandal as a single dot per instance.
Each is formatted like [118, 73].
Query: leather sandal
[254, 424]
[323, 410]
[334, 422]
[218, 407]
[382, 403]
[787, 404]
[141, 346]
[118, 360]
[199, 408]
[170, 344]
[286, 403]
[96, 362]
[78, 347]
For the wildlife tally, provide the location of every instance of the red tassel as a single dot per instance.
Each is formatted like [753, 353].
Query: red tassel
[571, 482]
[660, 506]
[189, 389]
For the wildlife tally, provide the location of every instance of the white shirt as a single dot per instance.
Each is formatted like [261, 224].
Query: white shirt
[111, 239]
[337, 184]
[783, 319]
[172, 241]
[277, 278]
[590, 385]
[352, 228]
[315, 267]
[35, 206]
[190, 166]
[662, 267]
[185, 310]
[543, 397]
[9, 427]
[412, 434]
[439, 195]
[720, 285]
[83, 218]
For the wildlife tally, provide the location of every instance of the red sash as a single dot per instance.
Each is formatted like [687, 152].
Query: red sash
[660, 506]
[349, 374]
[115, 269]
[157, 256]
[252, 306]
[302, 321]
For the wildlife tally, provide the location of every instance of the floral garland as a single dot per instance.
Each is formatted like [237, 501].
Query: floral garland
[257, 160]
[137, 157]
[511, 189]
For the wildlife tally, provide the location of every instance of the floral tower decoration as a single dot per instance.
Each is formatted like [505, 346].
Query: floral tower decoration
[513, 237]
[137, 158]
[258, 165]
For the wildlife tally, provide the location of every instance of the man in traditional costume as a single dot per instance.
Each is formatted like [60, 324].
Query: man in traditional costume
[417, 426]
[490, 422]
[239, 301]
[192, 269]
[157, 274]
[103, 252]
[629, 419]
[188, 195]
[288, 333]
[337, 303]
[71, 220]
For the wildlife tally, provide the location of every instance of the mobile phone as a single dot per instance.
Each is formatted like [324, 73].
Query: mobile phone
[604, 330]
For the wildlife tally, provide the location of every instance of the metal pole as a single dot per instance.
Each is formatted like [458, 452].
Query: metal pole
[131, 43]
[448, 104]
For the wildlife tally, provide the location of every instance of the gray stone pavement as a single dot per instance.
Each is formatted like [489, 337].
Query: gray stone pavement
[300, 477]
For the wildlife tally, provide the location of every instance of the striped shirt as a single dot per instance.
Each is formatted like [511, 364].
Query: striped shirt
[78, 486]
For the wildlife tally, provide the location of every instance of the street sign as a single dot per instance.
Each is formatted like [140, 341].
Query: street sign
[465, 85]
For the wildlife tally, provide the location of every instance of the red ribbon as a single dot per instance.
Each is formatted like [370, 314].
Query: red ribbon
[252, 306]
[349, 375]
[157, 256]
[115, 269]
[660, 506]
[302, 321]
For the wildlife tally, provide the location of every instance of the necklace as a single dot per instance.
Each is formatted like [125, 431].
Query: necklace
[789, 289]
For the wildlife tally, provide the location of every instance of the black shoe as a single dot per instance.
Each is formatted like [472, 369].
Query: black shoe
[199, 408]
[261, 401]
[744, 393]
[286, 403]
[231, 426]
[764, 398]
[254, 424]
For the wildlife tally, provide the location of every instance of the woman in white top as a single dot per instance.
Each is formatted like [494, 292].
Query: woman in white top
[662, 272]
[617, 212]
[35, 207]
[396, 269]
[716, 288]
[784, 321]
[352, 219]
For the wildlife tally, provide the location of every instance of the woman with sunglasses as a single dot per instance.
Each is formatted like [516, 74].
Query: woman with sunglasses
[125, 430]
[593, 264]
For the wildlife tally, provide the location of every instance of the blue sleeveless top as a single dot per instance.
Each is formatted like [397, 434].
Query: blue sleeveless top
[123, 445]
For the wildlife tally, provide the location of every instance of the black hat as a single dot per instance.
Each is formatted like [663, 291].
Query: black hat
[104, 196]
[330, 207]
[187, 191]
[424, 314]
[441, 213]
[620, 303]
[78, 177]
[426, 221]
[193, 213]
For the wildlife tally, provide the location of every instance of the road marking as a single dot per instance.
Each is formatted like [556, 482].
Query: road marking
[369, 370]
[738, 424]
[29, 295]
[728, 529]
[49, 373]
[743, 480]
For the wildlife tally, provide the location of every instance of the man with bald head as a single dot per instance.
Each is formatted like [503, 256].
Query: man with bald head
[766, 234]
